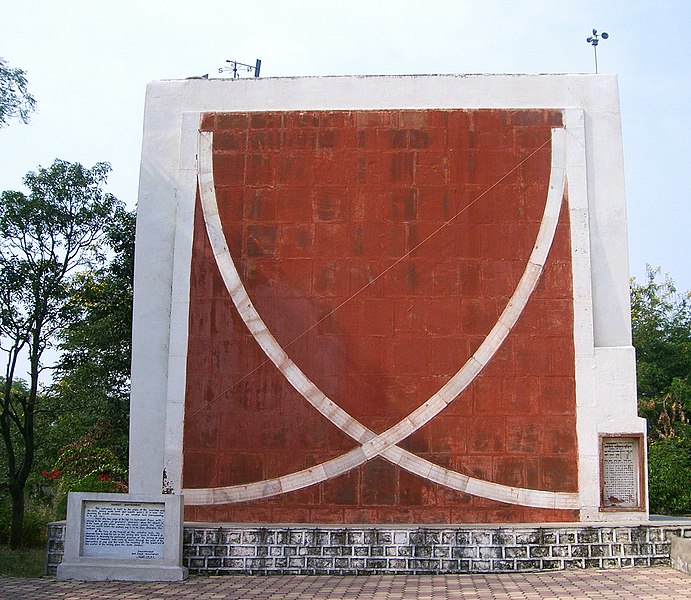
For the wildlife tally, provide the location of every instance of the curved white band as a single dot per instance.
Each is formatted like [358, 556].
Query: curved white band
[384, 444]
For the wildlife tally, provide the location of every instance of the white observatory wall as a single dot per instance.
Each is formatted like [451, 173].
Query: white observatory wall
[605, 369]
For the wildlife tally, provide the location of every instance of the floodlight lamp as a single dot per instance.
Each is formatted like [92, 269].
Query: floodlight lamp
[605, 35]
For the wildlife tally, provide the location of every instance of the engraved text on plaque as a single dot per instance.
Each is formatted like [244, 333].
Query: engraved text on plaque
[123, 530]
[620, 472]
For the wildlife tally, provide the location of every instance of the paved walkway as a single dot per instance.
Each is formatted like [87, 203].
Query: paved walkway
[639, 584]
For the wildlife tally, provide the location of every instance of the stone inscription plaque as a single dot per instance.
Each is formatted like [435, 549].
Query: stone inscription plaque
[620, 473]
[123, 530]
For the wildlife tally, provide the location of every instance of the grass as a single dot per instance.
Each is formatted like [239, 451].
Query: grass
[24, 562]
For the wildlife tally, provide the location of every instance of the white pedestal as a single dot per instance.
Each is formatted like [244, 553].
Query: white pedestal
[126, 537]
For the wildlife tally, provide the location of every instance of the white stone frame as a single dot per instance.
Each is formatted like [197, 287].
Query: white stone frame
[605, 365]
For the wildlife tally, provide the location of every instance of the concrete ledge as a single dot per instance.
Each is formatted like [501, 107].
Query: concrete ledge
[121, 572]
[680, 554]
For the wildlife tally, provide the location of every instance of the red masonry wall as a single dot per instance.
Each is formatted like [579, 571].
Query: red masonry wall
[317, 207]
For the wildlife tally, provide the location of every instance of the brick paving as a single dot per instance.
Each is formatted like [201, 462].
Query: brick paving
[639, 584]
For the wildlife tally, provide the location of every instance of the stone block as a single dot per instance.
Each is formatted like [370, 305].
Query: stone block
[680, 554]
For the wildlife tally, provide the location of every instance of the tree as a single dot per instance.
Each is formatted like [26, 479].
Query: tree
[46, 238]
[661, 325]
[15, 99]
[93, 373]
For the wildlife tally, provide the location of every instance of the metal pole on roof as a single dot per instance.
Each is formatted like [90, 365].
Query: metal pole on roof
[234, 64]
[595, 40]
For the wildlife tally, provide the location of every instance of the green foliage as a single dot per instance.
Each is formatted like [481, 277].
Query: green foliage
[669, 480]
[85, 468]
[93, 374]
[661, 325]
[15, 99]
[46, 237]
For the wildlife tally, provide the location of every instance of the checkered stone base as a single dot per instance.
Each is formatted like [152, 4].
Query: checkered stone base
[308, 550]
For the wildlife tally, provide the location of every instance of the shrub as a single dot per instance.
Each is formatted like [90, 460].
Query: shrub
[669, 476]
[85, 468]
[36, 518]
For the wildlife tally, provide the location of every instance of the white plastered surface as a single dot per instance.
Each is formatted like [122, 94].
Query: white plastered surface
[605, 374]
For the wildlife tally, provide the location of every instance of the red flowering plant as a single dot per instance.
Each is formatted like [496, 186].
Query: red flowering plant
[86, 468]
[54, 474]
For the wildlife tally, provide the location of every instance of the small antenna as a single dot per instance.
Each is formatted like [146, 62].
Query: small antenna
[595, 40]
[234, 64]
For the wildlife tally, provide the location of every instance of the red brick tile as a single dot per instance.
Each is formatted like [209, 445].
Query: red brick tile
[559, 395]
[277, 464]
[359, 515]
[379, 483]
[293, 205]
[290, 515]
[375, 118]
[403, 392]
[229, 169]
[532, 355]
[523, 394]
[559, 474]
[207, 122]
[448, 434]
[524, 435]
[560, 436]
[499, 278]
[230, 141]
[531, 137]
[487, 436]
[295, 240]
[263, 141]
[201, 431]
[562, 358]
[301, 119]
[433, 203]
[230, 121]
[298, 139]
[260, 169]
[477, 316]
[417, 442]
[330, 278]
[261, 239]
[252, 514]
[342, 490]
[199, 468]
[533, 479]
[509, 471]
[326, 515]
[415, 491]
[295, 170]
[414, 118]
[328, 204]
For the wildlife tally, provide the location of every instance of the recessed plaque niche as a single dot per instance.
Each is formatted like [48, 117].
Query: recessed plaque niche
[620, 472]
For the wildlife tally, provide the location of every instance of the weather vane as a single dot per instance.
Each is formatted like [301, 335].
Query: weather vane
[595, 40]
[235, 64]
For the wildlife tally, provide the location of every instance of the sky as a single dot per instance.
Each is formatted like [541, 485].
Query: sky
[88, 64]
